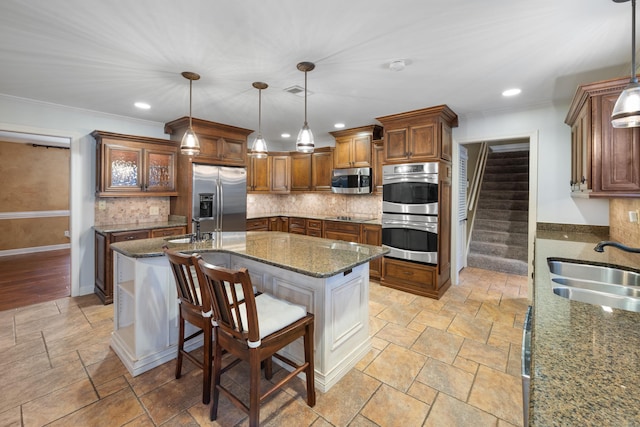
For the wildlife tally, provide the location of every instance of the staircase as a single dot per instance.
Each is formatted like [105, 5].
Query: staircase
[499, 238]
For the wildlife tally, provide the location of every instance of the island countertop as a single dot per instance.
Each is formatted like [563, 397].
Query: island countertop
[585, 360]
[312, 256]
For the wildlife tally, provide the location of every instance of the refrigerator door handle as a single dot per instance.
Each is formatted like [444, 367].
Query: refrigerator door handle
[220, 205]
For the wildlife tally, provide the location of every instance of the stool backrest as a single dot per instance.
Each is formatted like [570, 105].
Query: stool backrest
[184, 268]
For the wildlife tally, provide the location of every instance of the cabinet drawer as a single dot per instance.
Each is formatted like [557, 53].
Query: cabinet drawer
[171, 231]
[345, 227]
[259, 224]
[410, 274]
[314, 224]
[314, 233]
[125, 236]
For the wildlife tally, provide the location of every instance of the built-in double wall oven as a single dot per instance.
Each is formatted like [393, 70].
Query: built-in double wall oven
[410, 211]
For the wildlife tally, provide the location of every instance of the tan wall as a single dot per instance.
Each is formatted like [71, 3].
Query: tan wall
[33, 179]
[620, 229]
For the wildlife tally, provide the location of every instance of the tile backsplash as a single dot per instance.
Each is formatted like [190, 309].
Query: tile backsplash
[620, 229]
[131, 210]
[315, 204]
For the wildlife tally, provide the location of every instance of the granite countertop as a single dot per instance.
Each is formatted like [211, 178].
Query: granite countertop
[115, 228]
[585, 361]
[312, 256]
[344, 218]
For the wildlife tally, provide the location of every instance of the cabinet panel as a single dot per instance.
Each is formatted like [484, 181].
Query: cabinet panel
[258, 224]
[423, 142]
[413, 277]
[164, 232]
[377, 156]
[396, 144]
[322, 166]
[279, 173]
[297, 225]
[342, 153]
[301, 172]
[258, 175]
[349, 232]
[372, 235]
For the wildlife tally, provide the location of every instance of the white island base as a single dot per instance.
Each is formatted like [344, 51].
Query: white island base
[146, 312]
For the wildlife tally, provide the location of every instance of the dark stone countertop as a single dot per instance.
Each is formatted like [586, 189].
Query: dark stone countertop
[586, 361]
[312, 256]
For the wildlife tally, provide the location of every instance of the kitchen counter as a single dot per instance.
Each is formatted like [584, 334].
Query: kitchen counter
[311, 256]
[361, 219]
[585, 361]
[116, 228]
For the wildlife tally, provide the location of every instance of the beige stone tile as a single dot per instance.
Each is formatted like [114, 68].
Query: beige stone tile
[456, 293]
[514, 364]
[106, 370]
[422, 392]
[41, 384]
[466, 365]
[515, 305]
[446, 378]
[395, 334]
[448, 411]
[55, 320]
[23, 368]
[59, 403]
[283, 410]
[396, 366]
[321, 422]
[506, 333]
[118, 409]
[145, 421]
[361, 421]
[485, 354]
[468, 307]
[480, 295]
[497, 393]
[389, 408]
[375, 324]
[11, 418]
[387, 296]
[98, 313]
[228, 414]
[30, 312]
[21, 351]
[156, 377]
[497, 342]
[399, 314]
[79, 341]
[492, 312]
[379, 344]
[470, 327]
[417, 326]
[111, 387]
[438, 344]
[435, 320]
[375, 308]
[367, 359]
[346, 398]
[173, 397]
[503, 423]
[65, 358]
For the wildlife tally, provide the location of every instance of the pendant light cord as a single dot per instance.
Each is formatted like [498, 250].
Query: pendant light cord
[634, 79]
[260, 111]
[190, 87]
[305, 94]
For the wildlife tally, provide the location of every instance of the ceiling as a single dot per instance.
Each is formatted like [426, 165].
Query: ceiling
[104, 55]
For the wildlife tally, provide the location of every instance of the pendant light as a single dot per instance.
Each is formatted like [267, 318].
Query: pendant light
[259, 148]
[626, 112]
[304, 143]
[190, 144]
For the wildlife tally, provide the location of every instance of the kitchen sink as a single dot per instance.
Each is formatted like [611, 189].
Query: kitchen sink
[596, 284]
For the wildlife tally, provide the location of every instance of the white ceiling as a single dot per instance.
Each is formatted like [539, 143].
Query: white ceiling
[104, 55]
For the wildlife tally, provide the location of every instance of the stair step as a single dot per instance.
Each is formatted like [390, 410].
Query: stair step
[502, 237]
[506, 168]
[499, 250]
[500, 177]
[508, 154]
[504, 226]
[504, 194]
[502, 215]
[513, 205]
[503, 265]
[505, 185]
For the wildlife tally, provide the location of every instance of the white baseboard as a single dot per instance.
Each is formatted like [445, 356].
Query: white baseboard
[35, 249]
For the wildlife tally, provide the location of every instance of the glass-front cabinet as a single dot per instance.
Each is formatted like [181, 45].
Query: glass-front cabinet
[134, 166]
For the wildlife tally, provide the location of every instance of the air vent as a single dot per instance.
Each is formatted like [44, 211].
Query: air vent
[298, 91]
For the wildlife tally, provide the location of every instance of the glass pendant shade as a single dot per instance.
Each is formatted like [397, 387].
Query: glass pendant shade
[626, 111]
[304, 143]
[190, 145]
[259, 149]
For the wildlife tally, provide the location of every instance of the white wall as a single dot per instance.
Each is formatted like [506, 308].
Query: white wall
[554, 203]
[25, 116]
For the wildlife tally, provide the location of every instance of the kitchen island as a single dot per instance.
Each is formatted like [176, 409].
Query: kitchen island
[586, 359]
[329, 277]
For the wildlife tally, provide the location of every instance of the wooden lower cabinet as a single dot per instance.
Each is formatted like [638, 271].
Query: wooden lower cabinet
[298, 225]
[258, 224]
[314, 227]
[419, 279]
[371, 234]
[103, 286]
[337, 230]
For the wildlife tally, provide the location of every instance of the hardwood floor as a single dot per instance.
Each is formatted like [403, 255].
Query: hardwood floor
[34, 278]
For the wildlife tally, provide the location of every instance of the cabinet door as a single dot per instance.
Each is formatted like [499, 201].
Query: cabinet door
[361, 152]
[447, 142]
[342, 153]
[232, 152]
[160, 170]
[280, 176]
[581, 150]
[123, 169]
[258, 224]
[259, 175]
[396, 145]
[301, 172]
[376, 160]
[424, 143]
[322, 165]
[372, 235]
[620, 153]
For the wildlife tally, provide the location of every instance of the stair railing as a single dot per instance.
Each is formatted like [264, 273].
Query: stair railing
[474, 189]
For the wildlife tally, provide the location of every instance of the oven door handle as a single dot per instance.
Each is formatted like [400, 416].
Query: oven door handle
[411, 225]
[430, 178]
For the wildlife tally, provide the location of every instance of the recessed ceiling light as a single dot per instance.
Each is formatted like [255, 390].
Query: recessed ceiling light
[397, 65]
[338, 125]
[511, 92]
[285, 135]
[142, 105]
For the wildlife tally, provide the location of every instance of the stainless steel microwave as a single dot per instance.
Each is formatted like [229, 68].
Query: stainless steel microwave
[351, 181]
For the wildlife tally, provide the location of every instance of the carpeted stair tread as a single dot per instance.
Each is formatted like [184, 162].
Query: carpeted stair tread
[498, 225]
[503, 265]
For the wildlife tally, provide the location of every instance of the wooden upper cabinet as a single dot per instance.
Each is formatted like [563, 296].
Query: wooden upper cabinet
[301, 171]
[321, 169]
[419, 135]
[605, 161]
[377, 157]
[279, 172]
[219, 144]
[134, 166]
[258, 175]
[353, 146]
[270, 174]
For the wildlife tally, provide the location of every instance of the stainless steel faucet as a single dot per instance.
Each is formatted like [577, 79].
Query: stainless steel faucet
[600, 247]
[196, 221]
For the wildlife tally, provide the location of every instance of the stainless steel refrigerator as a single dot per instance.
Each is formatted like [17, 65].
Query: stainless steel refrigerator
[219, 198]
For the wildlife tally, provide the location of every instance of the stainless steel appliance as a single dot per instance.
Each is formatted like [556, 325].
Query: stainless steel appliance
[219, 198]
[526, 364]
[410, 211]
[351, 181]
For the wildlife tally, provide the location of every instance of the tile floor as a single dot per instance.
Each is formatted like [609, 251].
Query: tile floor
[452, 362]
